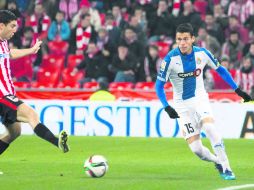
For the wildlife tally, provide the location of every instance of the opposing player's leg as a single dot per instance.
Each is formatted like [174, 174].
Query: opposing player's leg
[26, 114]
[219, 149]
[13, 131]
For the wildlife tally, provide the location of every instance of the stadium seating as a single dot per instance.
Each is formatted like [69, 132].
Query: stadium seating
[58, 47]
[91, 85]
[121, 85]
[22, 67]
[70, 80]
[21, 84]
[145, 85]
[53, 62]
[74, 60]
[46, 79]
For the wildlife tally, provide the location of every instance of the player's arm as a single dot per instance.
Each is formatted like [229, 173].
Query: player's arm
[226, 76]
[17, 53]
[159, 88]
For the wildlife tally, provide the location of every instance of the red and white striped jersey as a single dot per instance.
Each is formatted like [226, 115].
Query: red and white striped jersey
[245, 80]
[6, 84]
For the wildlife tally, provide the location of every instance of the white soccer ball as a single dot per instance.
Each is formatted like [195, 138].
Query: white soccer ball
[96, 166]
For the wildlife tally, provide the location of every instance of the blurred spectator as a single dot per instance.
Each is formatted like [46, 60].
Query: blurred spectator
[141, 34]
[118, 18]
[161, 24]
[50, 7]
[213, 28]
[59, 28]
[249, 23]
[233, 49]
[114, 31]
[234, 25]
[148, 6]
[23, 5]
[220, 17]
[102, 94]
[245, 75]
[85, 8]
[123, 64]
[15, 41]
[94, 64]
[219, 83]
[137, 48]
[190, 15]
[201, 6]
[242, 9]
[40, 23]
[106, 45]
[81, 35]
[141, 18]
[247, 10]
[152, 63]
[235, 8]
[69, 7]
[28, 39]
[98, 5]
[209, 42]
[250, 53]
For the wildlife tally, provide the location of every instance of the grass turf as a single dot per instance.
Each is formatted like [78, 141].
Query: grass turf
[134, 164]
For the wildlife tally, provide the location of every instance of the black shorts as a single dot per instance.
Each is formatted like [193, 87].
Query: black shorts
[8, 109]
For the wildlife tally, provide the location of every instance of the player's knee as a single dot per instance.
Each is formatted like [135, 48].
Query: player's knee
[33, 117]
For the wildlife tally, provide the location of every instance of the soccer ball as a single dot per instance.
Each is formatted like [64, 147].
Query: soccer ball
[96, 166]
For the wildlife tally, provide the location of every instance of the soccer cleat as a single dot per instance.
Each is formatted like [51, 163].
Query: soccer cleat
[228, 175]
[62, 141]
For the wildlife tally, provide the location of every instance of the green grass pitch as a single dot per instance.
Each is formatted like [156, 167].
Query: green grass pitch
[134, 164]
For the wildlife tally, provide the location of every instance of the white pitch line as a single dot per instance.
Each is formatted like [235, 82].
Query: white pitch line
[246, 186]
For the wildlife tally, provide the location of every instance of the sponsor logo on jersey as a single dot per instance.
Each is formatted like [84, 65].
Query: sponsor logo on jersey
[198, 61]
[4, 55]
[195, 73]
[163, 65]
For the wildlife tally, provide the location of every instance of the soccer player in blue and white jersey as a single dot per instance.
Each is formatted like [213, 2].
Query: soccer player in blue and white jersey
[183, 66]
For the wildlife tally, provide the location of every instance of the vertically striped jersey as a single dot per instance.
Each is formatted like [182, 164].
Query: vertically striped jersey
[185, 72]
[6, 84]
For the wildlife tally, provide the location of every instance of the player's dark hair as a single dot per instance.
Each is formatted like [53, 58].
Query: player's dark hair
[7, 16]
[185, 28]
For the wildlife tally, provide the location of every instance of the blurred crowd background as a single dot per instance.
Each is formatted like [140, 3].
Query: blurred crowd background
[85, 42]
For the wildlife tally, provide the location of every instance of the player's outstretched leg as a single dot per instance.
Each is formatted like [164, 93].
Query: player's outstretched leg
[62, 141]
[224, 168]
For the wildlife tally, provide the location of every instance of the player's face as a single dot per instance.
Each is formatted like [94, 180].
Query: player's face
[8, 30]
[184, 41]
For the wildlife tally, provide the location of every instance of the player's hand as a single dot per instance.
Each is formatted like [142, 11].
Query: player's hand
[246, 97]
[171, 112]
[36, 46]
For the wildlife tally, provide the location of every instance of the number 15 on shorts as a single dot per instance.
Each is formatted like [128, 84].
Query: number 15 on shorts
[189, 128]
